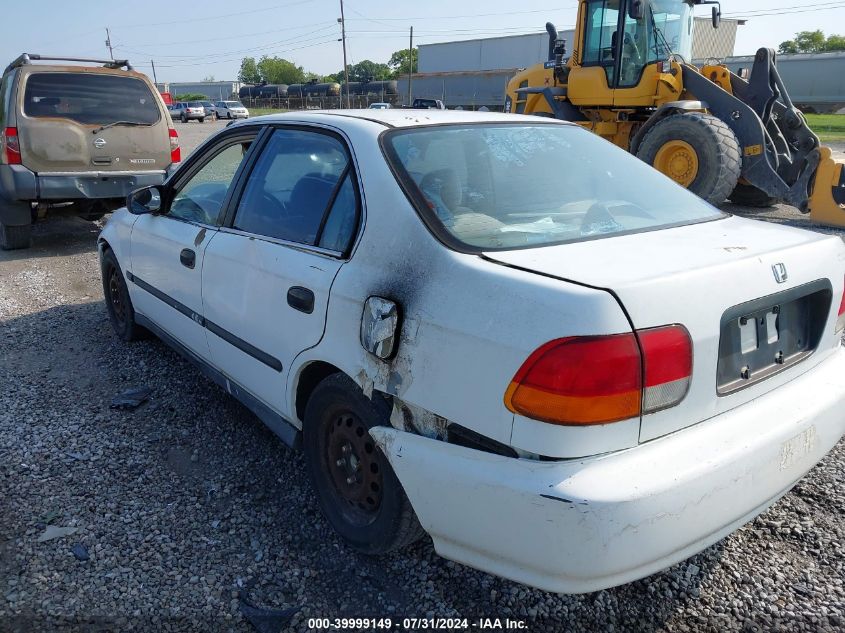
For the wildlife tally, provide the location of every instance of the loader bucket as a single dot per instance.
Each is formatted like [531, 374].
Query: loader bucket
[827, 201]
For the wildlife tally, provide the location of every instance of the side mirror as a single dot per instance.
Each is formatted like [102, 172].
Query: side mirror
[636, 10]
[717, 16]
[144, 201]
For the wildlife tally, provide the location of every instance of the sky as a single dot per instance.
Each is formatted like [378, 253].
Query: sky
[192, 41]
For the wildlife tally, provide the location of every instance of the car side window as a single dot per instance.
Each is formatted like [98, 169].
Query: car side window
[200, 199]
[301, 190]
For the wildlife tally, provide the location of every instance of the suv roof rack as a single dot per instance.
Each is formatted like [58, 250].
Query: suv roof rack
[28, 58]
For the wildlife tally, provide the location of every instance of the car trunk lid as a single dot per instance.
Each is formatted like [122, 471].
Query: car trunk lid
[89, 121]
[708, 277]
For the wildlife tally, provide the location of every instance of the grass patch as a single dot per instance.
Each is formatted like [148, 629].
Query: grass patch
[262, 111]
[829, 127]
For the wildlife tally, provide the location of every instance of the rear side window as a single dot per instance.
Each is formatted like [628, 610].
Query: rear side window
[301, 190]
[89, 98]
[5, 97]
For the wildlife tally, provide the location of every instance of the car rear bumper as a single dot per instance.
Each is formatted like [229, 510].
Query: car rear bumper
[587, 524]
[17, 183]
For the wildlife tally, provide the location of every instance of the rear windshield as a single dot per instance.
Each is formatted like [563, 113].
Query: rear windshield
[195, 104]
[90, 98]
[506, 186]
[233, 104]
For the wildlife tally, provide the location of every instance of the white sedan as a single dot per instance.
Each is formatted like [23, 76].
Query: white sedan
[499, 330]
[230, 110]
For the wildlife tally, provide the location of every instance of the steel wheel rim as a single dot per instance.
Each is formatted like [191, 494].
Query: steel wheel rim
[678, 160]
[116, 297]
[353, 467]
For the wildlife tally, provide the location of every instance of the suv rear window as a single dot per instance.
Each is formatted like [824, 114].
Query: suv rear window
[89, 98]
[486, 187]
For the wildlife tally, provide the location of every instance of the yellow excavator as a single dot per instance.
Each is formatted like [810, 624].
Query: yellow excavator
[630, 79]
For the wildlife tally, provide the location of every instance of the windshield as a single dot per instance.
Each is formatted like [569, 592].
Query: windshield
[672, 26]
[88, 98]
[506, 186]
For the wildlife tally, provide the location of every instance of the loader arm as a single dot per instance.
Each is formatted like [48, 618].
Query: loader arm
[782, 156]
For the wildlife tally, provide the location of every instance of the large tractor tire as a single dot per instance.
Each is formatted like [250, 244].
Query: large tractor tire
[751, 196]
[696, 150]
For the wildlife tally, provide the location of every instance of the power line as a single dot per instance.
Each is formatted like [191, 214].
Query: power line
[298, 39]
[233, 37]
[215, 17]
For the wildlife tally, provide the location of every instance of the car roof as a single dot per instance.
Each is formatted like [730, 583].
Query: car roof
[404, 117]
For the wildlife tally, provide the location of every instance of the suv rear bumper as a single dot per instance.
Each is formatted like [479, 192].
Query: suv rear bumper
[17, 183]
[585, 524]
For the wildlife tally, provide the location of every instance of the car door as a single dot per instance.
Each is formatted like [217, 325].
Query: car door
[167, 249]
[268, 273]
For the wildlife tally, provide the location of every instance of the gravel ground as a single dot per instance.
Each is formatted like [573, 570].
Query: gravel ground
[186, 506]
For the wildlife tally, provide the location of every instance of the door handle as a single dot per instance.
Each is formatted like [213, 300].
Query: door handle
[301, 299]
[188, 258]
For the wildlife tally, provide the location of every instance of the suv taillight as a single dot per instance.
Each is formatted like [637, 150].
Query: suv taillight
[840, 319]
[11, 146]
[589, 380]
[175, 151]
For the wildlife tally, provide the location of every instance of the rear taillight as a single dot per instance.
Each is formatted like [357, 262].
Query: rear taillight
[175, 151]
[592, 380]
[667, 358]
[11, 146]
[840, 318]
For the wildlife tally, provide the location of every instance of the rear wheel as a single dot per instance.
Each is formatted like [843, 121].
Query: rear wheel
[15, 237]
[118, 303]
[183, 118]
[751, 196]
[358, 491]
[696, 150]
[201, 119]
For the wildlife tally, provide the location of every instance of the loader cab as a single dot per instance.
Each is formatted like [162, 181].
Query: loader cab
[622, 42]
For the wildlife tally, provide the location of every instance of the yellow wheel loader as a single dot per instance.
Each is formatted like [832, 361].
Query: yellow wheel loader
[630, 79]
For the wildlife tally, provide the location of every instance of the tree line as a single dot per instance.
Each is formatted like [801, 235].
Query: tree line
[813, 42]
[277, 70]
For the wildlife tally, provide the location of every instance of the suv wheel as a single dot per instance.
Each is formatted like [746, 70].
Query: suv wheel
[201, 119]
[15, 237]
[118, 303]
[183, 118]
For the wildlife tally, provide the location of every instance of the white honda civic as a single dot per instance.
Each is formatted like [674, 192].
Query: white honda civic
[499, 330]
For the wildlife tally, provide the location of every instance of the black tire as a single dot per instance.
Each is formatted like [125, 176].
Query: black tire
[373, 513]
[183, 118]
[716, 147]
[13, 238]
[751, 196]
[201, 119]
[118, 302]
[228, 115]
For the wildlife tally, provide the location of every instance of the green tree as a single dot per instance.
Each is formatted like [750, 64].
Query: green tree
[368, 70]
[835, 43]
[402, 60]
[276, 70]
[248, 73]
[190, 96]
[812, 42]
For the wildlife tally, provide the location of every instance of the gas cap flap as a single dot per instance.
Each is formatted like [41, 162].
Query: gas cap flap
[379, 327]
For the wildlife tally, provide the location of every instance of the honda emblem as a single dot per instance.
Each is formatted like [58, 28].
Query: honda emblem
[780, 273]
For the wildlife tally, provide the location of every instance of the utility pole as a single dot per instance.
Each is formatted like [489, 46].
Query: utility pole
[108, 44]
[342, 21]
[153, 64]
[410, 66]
